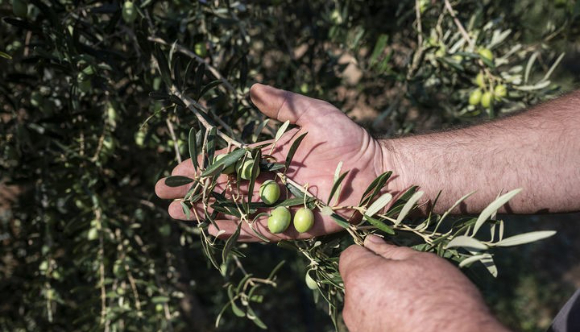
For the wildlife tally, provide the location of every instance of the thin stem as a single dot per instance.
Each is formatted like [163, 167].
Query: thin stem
[199, 59]
[189, 103]
[459, 25]
[175, 145]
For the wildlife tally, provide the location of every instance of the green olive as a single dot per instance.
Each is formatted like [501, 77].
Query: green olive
[475, 97]
[129, 12]
[303, 220]
[159, 307]
[500, 91]
[335, 17]
[269, 192]
[279, 220]
[228, 170]
[245, 169]
[486, 53]
[480, 80]
[310, 283]
[200, 49]
[20, 8]
[93, 234]
[487, 99]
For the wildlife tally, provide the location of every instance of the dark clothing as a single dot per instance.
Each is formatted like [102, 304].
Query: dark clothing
[568, 319]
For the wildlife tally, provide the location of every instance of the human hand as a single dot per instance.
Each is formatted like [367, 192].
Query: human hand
[332, 138]
[390, 288]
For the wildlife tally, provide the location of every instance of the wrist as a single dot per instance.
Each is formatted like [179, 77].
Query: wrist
[392, 160]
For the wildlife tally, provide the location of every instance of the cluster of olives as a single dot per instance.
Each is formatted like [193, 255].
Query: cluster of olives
[483, 95]
[279, 219]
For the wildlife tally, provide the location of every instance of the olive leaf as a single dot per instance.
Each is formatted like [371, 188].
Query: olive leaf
[493, 207]
[336, 185]
[524, 238]
[225, 162]
[230, 242]
[293, 149]
[177, 181]
[193, 148]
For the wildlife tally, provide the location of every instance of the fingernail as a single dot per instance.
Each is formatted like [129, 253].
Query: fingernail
[374, 239]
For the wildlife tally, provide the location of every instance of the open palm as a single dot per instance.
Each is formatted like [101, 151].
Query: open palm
[332, 138]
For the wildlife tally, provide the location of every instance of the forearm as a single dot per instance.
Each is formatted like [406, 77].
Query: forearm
[538, 150]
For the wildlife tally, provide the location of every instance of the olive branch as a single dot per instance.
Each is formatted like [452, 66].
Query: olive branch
[381, 213]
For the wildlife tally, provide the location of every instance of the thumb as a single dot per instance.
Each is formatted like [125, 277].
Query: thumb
[284, 105]
[378, 246]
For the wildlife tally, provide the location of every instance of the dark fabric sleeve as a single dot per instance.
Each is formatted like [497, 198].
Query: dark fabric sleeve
[568, 319]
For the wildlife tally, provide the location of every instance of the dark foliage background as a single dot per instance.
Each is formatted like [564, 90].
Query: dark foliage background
[86, 245]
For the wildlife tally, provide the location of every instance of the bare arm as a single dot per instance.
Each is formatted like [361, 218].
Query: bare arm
[538, 150]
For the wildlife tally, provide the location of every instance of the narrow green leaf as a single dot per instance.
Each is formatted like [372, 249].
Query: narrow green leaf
[252, 316]
[259, 235]
[197, 81]
[524, 238]
[408, 206]
[556, 63]
[335, 186]
[379, 224]
[163, 66]
[210, 86]
[191, 65]
[5, 55]
[281, 131]
[473, 259]
[211, 142]
[177, 181]
[380, 203]
[375, 187]
[466, 242]
[293, 202]
[158, 95]
[379, 47]
[230, 242]
[529, 66]
[340, 220]
[489, 264]
[186, 210]
[159, 299]
[259, 129]
[193, 148]
[493, 207]
[235, 309]
[271, 167]
[230, 159]
[275, 270]
[293, 149]
[254, 175]
[538, 86]
[456, 204]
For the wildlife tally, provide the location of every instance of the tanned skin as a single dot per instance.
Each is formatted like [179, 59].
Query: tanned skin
[537, 150]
